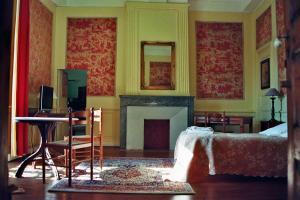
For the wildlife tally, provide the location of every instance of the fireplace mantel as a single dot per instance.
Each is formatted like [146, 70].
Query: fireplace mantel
[152, 101]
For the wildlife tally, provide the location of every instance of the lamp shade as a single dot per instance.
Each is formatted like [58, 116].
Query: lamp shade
[272, 92]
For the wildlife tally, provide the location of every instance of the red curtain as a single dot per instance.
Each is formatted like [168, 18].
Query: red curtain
[22, 77]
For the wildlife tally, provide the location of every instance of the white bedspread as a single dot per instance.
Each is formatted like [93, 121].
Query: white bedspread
[184, 150]
[200, 150]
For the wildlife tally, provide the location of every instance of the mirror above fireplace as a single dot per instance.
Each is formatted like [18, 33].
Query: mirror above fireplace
[157, 65]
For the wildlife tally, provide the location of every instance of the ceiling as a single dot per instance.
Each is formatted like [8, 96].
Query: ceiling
[225, 5]
[201, 5]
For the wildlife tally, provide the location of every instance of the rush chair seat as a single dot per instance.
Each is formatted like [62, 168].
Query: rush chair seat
[67, 147]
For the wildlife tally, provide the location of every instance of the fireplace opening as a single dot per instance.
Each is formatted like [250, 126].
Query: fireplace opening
[157, 134]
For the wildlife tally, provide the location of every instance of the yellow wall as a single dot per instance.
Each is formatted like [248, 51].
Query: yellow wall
[147, 22]
[140, 21]
[263, 103]
[110, 105]
[255, 102]
[157, 22]
[246, 105]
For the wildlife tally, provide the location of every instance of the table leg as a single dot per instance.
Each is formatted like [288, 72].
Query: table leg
[43, 159]
[27, 161]
[44, 128]
[51, 163]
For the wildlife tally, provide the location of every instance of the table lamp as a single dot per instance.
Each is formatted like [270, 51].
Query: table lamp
[273, 93]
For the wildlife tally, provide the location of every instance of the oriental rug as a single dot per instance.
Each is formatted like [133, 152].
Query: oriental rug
[84, 167]
[126, 175]
[131, 161]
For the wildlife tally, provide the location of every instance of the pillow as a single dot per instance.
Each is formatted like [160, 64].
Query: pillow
[279, 131]
[196, 129]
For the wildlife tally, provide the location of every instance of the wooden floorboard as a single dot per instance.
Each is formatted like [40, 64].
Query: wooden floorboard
[212, 188]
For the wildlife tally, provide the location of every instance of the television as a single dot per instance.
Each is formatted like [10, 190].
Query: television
[46, 98]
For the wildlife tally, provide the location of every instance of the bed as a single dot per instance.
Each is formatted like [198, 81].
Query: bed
[200, 152]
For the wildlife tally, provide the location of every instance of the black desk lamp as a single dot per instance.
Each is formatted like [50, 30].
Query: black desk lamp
[273, 93]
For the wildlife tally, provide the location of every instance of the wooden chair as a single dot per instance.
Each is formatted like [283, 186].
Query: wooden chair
[80, 154]
[199, 119]
[216, 118]
[69, 146]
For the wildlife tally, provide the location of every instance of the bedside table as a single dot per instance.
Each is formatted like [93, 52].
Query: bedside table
[268, 124]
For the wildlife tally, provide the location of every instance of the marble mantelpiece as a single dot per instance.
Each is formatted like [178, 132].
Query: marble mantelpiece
[155, 102]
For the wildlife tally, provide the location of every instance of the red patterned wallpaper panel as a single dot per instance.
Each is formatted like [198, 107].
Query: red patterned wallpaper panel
[219, 60]
[40, 46]
[91, 45]
[160, 73]
[281, 31]
[263, 28]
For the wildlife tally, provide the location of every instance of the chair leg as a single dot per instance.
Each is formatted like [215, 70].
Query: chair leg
[101, 156]
[34, 165]
[92, 169]
[92, 163]
[73, 159]
[66, 151]
[66, 162]
[70, 168]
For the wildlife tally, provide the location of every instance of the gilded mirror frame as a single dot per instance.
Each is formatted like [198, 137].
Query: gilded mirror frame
[145, 86]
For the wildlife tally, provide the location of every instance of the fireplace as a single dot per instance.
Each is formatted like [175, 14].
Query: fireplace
[135, 109]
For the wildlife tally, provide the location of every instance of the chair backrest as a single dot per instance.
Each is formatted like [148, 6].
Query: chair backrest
[98, 118]
[199, 119]
[216, 118]
[83, 117]
[87, 117]
[80, 117]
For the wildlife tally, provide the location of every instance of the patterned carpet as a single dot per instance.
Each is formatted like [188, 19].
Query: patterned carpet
[133, 162]
[126, 175]
[162, 163]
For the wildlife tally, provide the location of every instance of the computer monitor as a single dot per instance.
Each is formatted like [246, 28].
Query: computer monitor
[46, 98]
